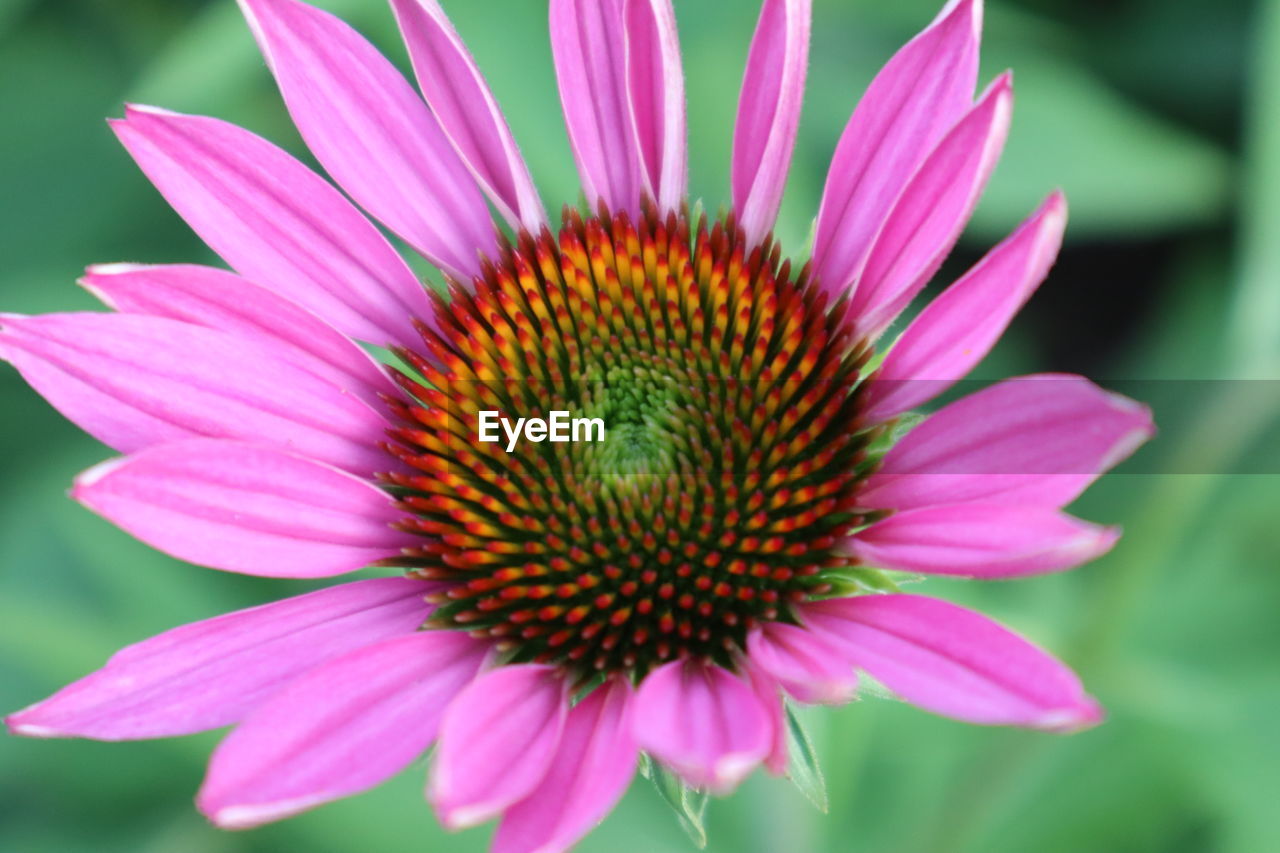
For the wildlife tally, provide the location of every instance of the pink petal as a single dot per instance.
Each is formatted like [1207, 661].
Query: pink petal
[918, 95]
[497, 742]
[770, 695]
[958, 329]
[982, 541]
[704, 723]
[221, 300]
[277, 222]
[954, 662]
[588, 41]
[467, 111]
[1033, 441]
[803, 663]
[928, 217]
[211, 673]
[340, 729]
[592, 767]
[769, 112]
[373, 134]
[133, 382]
[245, 508]
[655, 92]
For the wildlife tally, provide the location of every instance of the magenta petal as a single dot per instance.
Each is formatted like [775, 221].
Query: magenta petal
[928, 217]
[1033, 441]
[222, 300]
[373, 134]
[918, 95]
[588, 42]
[497, 742]
[769, 112]
[704, 723]
[277, 222]
[467, 111]
[803, 663]
[655, 93]
[982, 541]
[244, 508]
[211, 673]
[133, 382]
[954, 662]
[593, 764]
[770, 695]
[959, 328]
[340, 729]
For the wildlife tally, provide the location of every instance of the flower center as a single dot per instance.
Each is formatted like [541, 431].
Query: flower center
[727, 469]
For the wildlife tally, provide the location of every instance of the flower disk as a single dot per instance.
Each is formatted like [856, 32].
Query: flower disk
[725, 476]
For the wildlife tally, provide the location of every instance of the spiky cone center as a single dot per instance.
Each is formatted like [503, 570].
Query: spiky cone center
[729, 464]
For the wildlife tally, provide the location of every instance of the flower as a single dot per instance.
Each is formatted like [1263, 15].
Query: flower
[564, 607]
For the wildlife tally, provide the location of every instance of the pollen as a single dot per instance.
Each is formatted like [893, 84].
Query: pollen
[728, 391]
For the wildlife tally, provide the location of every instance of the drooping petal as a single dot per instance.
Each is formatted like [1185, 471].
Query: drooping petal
[769, 112]
[802, 662]
[769, 692]
[497, 742]
[222, 300]
[276, 222]
[928, 217]
[655, 93]
[954, 662]
[912, 102]
[211, 673]
[245, 508]
[1032, 441]
[588, 42]
[593, 764]
[982, 540]
[340, 729]
[703, 722]
[373, 134]
[457, 93]
[959, 328]
[133, 382]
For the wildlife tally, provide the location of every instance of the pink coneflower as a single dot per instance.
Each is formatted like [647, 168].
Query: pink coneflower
[566, 607]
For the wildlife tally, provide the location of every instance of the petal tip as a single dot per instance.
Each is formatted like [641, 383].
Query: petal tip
[120, 268]
[90, 477]
[1092, 542]
[961, 9]
[462, 817]
[729, 771]
[249, 816]
[19, 723]
[837, 693]
[1104, 539]
[1128, 444]
[1086, 714]
[1053, 223]
[131, 109]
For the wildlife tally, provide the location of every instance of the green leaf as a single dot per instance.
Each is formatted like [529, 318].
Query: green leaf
[690, 805]
[803, 767]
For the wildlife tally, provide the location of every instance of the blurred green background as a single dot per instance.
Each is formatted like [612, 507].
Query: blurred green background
[1162, 122]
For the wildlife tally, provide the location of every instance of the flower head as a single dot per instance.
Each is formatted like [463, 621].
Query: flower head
[566, 606]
